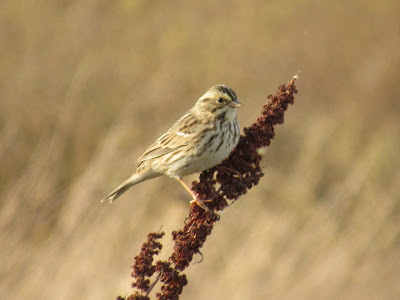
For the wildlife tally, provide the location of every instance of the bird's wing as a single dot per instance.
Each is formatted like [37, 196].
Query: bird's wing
[177, 137]
[167, 143]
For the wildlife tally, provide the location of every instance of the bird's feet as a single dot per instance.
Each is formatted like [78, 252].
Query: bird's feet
[202, 204]
[196, 200]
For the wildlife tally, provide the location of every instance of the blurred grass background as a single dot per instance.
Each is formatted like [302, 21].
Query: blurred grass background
[86, 86]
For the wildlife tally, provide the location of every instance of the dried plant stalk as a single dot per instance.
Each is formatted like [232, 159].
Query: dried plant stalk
[235, 175]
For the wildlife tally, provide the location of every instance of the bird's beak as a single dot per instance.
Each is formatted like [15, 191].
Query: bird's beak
[235, 104]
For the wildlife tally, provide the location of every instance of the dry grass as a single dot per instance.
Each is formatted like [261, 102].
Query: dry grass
[79, 80]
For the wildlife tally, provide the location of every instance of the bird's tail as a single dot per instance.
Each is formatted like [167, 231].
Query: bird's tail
[134, 179]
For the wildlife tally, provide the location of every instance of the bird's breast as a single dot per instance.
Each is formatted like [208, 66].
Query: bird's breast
[214, 146]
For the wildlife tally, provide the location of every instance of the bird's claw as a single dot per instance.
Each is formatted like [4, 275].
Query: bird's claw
[201, 203]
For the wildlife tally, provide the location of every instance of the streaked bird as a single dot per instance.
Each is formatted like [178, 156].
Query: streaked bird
[198, 141]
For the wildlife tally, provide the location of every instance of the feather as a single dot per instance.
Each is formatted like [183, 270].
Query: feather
[177, 137]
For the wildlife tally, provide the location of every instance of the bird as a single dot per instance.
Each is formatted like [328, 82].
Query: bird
[198, 141]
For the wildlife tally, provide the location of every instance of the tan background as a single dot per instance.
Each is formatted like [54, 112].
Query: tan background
[86, 86]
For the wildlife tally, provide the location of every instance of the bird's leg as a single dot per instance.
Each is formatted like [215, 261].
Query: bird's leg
[196, 200]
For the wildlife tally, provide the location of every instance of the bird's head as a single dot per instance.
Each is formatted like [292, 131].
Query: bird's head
[220, 101]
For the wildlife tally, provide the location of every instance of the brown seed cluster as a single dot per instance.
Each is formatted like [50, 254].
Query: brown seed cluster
[143, 268]
[172, 279]
[225, 182]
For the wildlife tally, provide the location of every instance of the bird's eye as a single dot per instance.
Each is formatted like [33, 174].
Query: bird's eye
[220, 100]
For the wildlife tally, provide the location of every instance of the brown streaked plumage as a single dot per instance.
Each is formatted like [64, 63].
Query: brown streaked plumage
[199, 140]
